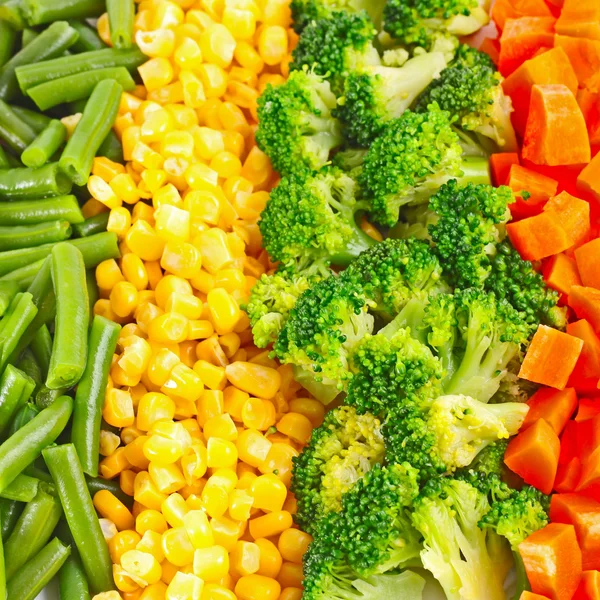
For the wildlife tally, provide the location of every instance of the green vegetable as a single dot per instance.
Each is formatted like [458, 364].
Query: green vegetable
[45, 145]
[92, 226]
[72, 582]
[88, 38]
[13, 131]
[37, 121]
[8, 291]
[23, 416]
[14, 387]
[306, 11]
[20, 314]
[95, 484]
[13, 237]
[39, 12]
[22, 488]
[10, 511]
[8, 39]
[31, 212]
[27, 184]
[121, 14]
[41, 346]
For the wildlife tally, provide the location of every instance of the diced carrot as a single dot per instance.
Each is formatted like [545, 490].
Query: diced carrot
[584, 55]
[580, 18]
[589, 587]
[554, 117]
[588, 263]
[589, 178]
[500, 166]
[567, 476]
[584, 514]
[585, 301]
[551, 357]
[554, 406]
[589, 360]
[574, 215]
[491, 47]
[514, 9]
[550, 67]
[589, 483]
[539, 236]
[533, 454]
[588, 409]
[589, 102]
[568, 443]
[521, 39]
[584, 386]
[531, 596]
[539, 189]
[552, 560]
[560, 273]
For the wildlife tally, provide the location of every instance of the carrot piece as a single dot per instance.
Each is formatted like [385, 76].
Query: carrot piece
[551, 357]
[584, 55]
[588, 438]
[589, 178]
[554, 406]
[550, 67]
[580, 18]
[554, 117]
[500, 166]
[590, 354]
[491, 47]
[521, 39]
[539, 236]
[531, 596]
[515, 9]
[539, 188]
[588, 409]
[584, 514]
[585, 301]
[588, 263]
[552, 560]
[568, 443]
[589, 102]
[533, 454]
[574, 214]
[560, 273]
[589, 587]
[568, 476]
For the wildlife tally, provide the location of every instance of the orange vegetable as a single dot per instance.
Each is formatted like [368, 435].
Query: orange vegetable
[589, 360]
[589, 588]
[560, 273]
[584, 514]
[555, 117]
[580, 18]
[567, 476]
[589, 482]
[589, 102]
[585, 301]
[550, 67]
[500, 166]
[584, 55]
[521, 39]
[533, 454]
[574, 215]
[531, 596]
[554, 406]
[589, 178]
[552, 561]
[588, 409]
[514, 9]
[491, 47]
[588, 263]
[551, 357]
[539, 187]
[539, 236]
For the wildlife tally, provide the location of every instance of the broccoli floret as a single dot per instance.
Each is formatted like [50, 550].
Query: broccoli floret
[305, 11]
[336, 45]
[312, 220]
[339, 453]
[374, 96]
[411, 160]
[297, 129]
[447, 513]
[470, 90]
[423, 22]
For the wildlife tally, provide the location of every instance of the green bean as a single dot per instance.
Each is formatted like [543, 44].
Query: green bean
[95, 484]
[26, 183]
[8, 40]
[39, 12]
[31, 212]
[16, 322]
[16, 134]
[21, 449]
[11, 11]
[50, 43]
[93, 291]
[45, 145]
[28, 364]
[34, 575]
[46, 397]
[91, 226]
[35, 74]
[4, 162]
[72, 584]
[65, 469]
[8, 291]
[111, 148]
[27, 36]
[23, 416]
[13, 384]
[89, 398]
[13, 237]
[2, 574]
[37, 121]
[41, 346]
[69, 351]
[22, 488]
[120, 18]
[37, 473]
[41, 286]
[96, 122]
[88, 38]
[10, 510]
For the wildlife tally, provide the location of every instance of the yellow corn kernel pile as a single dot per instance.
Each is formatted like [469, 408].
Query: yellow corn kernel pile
[209, 423]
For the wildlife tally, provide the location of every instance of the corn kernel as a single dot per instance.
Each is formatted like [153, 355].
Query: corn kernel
[184, 586]
[220, 453]
[214, 80]
[114, 464]
[141, 566]
[257, 380]
[109, 529]
[193, 89]
[253, 447]
[110, 507]
[270, 558]
[188, 54]
[240, 505]
[183, 383]
[201, 177]
[118, 408]
[177, 547]
[106, 169]
[270, 524]
[163, 451]
[292, 545]
[150, 520]
[245, 558]
[217, 45]
[151, 543]
[143, 240]
[101, 191]
[109, 442]
[269, 493]
[123, 542]
[210, 564]
[257, 587]
[222, 427]
[198, 529]
[108, 274]
[167, 478]
[214, 249]
[170, 327]
[214, 591]
[174, 509]
[181, 259]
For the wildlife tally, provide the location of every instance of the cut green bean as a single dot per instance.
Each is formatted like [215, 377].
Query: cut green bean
[37, 473]
[111, 148]
[89, 398]
[11, 11]
[4, 162]
[34, 575]
[50, 43]
[22, 488]
[69, 351]
[26, 183]
[23, 416]
[28, 236]
[41, 346]
[46, 397]
[13, 131]
[45, 145]
[96, 122]
[29, 365]
[93, 292]
[3, 592]
[35, 74]
[77, 87]
[41, 286]
[65, 469]
[91, 226]
[95, 484]
[121, 14]
[12, 386]
[39, 12]
[10, 511]
[21, 449]
[72, 583]
[37, 121]
[8, 291]
[14, 324]
[31, 212]
[8, 40]
[27, 36]
[88, 38]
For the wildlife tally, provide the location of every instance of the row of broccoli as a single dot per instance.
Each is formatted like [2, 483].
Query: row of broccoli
[386, 118]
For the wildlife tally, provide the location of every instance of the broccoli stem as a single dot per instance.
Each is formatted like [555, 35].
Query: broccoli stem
[522, 580]
[410, 317]
[359, 242]
[476, 170]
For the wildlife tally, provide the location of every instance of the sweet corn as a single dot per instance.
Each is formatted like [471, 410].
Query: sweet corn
[150, 520]
[123, 542]
[269, 493]
[110, 507]
[174, 510]
[151, 543]
[177, 547]
[257, 587]
[271, 524]
[141, 566]
[221, 453]
[146, 493]
[184, 586]
[212, 563]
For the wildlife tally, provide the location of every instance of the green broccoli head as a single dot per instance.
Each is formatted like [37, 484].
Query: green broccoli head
[297, 129]
[374, 96]
[336, 45]
[339, 453]
[470, 223]
[312, 220]
[447, 513]
[306, 11]
[385, 369]
[470, 90]
[423, 22]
